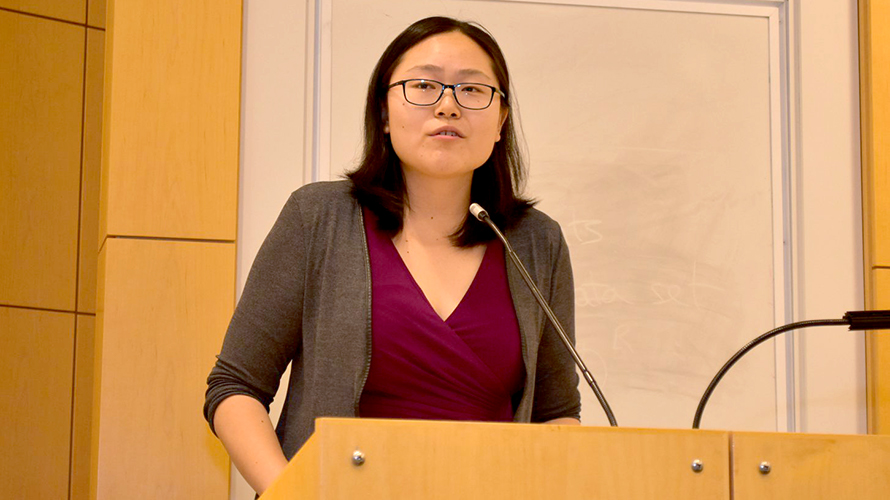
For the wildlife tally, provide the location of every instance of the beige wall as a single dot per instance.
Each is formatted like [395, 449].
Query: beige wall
[51, 59]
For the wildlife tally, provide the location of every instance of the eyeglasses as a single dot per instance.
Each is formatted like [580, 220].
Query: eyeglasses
[467, 95]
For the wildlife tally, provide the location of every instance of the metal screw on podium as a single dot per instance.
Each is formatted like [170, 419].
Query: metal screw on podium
[764, 467]
[697, 466]
[358, 458]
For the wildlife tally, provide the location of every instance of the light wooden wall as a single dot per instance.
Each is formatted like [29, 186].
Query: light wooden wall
[165, 305]
[167, 226]
[874, 44]
[51, 79]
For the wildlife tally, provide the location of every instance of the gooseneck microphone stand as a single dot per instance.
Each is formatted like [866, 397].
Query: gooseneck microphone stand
[483, 216]
[857, 320]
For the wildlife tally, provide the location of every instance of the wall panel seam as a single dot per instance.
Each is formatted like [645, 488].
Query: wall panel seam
[80, 186]
[163, 238]
[47, 18]
[77, 254]
[73, 402]
[44, 309]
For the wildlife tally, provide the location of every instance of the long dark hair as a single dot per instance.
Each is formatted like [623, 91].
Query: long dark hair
[377, 182]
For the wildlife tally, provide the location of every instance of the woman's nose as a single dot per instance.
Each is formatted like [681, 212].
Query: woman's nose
[447, 105]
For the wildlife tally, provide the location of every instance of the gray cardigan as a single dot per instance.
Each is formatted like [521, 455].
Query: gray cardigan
[307, 300]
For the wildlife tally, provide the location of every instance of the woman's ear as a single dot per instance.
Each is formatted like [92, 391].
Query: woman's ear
[385, 116]
[503, 119]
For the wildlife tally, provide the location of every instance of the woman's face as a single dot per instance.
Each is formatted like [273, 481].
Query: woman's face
[443, 140]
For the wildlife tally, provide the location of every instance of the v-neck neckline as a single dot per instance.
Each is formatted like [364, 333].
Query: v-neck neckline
[419, 290]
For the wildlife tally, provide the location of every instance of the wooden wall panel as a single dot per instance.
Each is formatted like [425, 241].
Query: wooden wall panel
[41, 87]
[874, 45]
[82, 407]
[35, 396]
[163, 310]
[875, 82]
[169, 175]
[96, 13]
[69, 10]
[90, 175]
[106, 146]
[97, 371]
[878, 361]
[172, 120]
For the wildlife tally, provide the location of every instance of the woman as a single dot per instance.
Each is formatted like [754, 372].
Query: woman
[389, 301]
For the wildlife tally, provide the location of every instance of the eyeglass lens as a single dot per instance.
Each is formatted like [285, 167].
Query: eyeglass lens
[428, 92]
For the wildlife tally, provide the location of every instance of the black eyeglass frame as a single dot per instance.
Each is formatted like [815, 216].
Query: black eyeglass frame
[453, 87]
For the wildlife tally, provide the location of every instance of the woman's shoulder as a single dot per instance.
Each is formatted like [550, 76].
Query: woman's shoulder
[324, 197]
[319, 204]
[324, 191]
[539, 242]
[536, 224]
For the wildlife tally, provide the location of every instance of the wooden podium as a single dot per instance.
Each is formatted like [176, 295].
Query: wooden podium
[401, 459]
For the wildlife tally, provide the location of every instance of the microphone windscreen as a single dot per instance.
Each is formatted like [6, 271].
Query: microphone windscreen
[868, 320]
[477, 211]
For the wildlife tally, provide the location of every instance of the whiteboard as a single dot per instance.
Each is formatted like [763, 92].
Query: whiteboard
[654, 137]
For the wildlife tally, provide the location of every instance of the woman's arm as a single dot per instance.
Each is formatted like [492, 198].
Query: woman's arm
[263, 337]
[564, 421]
[243, 426]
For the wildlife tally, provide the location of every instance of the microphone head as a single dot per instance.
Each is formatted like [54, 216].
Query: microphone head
[868, 320]
[478, 212]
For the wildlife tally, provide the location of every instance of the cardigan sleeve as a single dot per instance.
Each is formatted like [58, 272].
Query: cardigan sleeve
[264, 333]
[556, 381]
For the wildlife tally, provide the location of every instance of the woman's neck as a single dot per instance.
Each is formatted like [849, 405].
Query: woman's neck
[435, 208]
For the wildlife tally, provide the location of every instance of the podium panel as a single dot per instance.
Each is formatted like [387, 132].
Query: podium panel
[810, 466]
[448, 460]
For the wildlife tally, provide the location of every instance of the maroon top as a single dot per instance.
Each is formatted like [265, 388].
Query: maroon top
[467, 367]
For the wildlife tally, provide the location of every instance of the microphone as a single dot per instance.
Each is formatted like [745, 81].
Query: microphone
[856, 320]
[868, 320]
[480, 213]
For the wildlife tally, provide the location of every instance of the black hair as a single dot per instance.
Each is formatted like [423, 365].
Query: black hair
[377, 182]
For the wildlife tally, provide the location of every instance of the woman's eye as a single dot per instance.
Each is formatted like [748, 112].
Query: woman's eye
[470, 89]
[422, 85]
